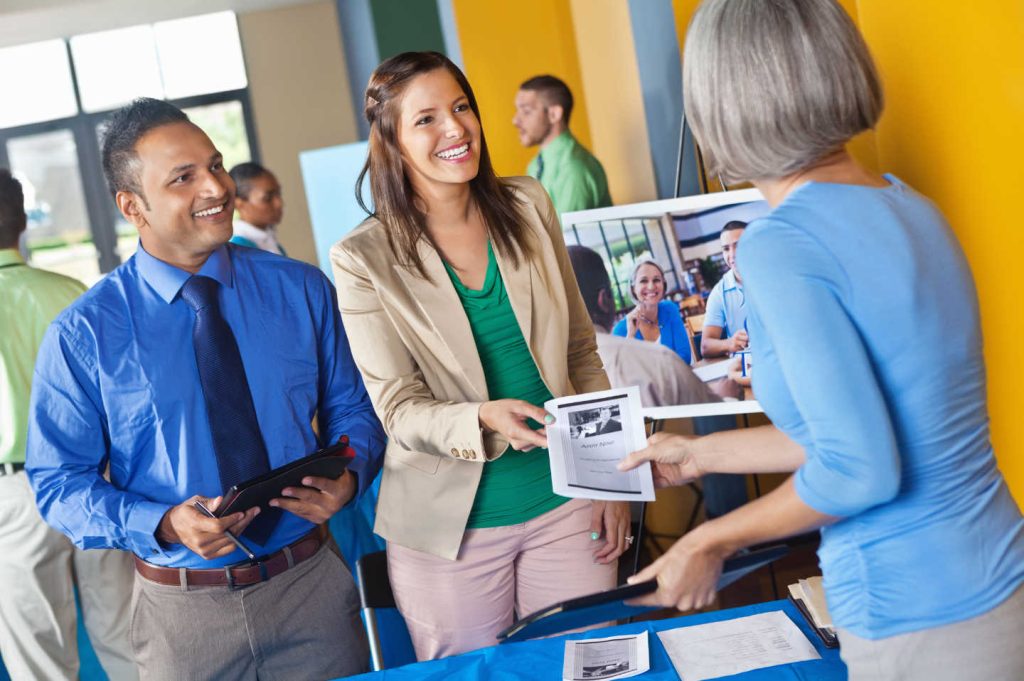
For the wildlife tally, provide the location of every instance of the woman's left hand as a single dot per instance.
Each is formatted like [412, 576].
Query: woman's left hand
[687, 575]
[611, 521]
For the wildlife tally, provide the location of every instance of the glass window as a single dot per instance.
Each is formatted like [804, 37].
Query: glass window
[36, 83]
[115, 67]
[58, 236]
[199, 55]
[225, 124]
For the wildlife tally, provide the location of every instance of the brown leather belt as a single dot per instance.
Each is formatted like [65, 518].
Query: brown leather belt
[239, 574]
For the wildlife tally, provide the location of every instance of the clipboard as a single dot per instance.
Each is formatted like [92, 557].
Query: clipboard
[605, 606]
[329, 462]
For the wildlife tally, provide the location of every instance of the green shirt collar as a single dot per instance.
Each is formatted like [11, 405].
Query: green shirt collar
[558, 147]
[10, 256]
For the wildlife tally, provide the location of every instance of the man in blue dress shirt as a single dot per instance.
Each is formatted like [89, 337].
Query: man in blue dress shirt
[191, 365]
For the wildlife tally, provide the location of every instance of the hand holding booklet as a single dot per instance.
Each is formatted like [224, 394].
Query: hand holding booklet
[591, 434]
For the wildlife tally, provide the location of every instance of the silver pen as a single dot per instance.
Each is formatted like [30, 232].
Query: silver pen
[201, 507]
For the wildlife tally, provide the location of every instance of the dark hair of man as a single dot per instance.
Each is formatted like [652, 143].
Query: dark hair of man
[12, 210]
[734, 225]
[592, 278]
[392, 192]
[243, 174]
[123, 131]
[554, 91]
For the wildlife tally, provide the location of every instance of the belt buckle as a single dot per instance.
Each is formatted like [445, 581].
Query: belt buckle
[258, 562]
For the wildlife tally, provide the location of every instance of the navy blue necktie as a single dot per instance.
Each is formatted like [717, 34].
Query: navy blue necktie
[237, 440]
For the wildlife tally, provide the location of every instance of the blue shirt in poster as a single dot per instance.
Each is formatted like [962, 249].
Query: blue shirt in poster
[673, 332]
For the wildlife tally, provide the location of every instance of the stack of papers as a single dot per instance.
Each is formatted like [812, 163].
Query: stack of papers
[809, 597]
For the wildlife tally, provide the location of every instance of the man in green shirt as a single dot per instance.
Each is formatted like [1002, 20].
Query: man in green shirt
[573, 177]
[38, 565]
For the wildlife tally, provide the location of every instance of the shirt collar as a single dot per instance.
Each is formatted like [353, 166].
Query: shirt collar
[167, 279]
[10, 256]
[557, 146]
[260, 237]
[729, 282]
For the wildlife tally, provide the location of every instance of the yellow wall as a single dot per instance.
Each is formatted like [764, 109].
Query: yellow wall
[503, 44]
[300, 99]
[953, 128]
[611, 80]
[863, 147]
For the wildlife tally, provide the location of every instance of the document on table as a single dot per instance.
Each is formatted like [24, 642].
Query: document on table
[591, 434]
[615, 657]
[708, 651]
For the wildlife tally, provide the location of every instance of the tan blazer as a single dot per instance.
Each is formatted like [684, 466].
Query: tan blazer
[413, 344]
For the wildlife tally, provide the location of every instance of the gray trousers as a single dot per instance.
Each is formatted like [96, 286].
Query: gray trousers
[984, 647]
[301, 625]
[39, 569]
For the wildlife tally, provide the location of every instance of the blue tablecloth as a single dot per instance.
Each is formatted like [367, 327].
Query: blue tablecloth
[542, 659]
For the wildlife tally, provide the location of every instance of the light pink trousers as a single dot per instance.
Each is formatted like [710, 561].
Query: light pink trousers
[455, 606]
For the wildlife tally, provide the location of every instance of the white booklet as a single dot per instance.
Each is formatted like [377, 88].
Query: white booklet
[616, 657]
[591, 434]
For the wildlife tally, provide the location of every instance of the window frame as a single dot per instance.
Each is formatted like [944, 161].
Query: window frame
[100, 208]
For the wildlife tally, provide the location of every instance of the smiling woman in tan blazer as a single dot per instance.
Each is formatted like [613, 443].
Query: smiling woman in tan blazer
[463, 315]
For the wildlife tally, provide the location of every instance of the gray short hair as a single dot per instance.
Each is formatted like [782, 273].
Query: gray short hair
[772, 86]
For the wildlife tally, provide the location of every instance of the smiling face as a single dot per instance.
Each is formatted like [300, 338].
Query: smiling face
[438, 133]
[188, 196]
[730, 242]
[649, 285]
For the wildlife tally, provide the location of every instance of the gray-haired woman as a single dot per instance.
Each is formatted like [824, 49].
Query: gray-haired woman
[877, 395]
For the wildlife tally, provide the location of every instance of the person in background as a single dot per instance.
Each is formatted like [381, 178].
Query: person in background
[877, 395]
[654, 319]
[725, 318]
[39, 567]
[260, 207]
[465, 319]
[571, 175]
[195, 366]
[662, 377]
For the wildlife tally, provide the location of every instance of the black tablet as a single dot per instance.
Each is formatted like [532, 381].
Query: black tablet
[607, 606]
[329, 462]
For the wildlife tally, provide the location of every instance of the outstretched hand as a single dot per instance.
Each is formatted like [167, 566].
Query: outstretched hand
[672, 457]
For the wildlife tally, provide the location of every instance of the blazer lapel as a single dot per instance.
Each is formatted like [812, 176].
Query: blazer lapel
[519, 286]
[443, 309]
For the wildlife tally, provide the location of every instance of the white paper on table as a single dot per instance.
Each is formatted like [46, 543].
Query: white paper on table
[615, 657]
[591, 434]
[707, 651]
[713, 371]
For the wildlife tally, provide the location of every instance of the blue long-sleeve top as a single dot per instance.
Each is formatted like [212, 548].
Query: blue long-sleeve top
[670, 323]
[869, 355]
[116, 382]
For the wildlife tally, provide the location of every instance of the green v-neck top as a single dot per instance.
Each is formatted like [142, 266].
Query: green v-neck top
[515, 487]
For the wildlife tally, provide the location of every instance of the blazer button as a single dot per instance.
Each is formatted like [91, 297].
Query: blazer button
[472, 453]
[455, 452]
[465, 454]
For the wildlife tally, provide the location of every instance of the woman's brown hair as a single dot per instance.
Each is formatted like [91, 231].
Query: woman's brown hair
[393, 194]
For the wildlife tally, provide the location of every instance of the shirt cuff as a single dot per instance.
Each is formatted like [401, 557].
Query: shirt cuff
[143, 521]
